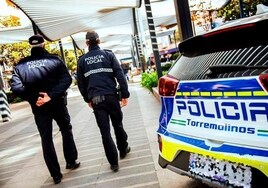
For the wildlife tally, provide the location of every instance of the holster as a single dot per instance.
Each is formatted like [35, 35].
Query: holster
[98, 99]
[119, 93]
[64, 97]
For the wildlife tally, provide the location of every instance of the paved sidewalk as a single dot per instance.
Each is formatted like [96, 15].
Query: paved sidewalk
[22, 164]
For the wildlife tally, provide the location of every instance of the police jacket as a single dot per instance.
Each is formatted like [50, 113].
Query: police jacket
[98, 73]
[40, 72]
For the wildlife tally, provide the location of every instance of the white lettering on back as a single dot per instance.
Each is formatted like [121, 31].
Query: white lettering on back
[36, 63]
[94, 59]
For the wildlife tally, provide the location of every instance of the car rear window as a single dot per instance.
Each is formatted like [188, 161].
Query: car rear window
[194, 68]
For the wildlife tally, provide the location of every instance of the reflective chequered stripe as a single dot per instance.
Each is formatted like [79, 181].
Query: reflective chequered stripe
[222, 94]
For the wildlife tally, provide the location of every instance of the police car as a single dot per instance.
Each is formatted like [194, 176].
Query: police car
[213, 123]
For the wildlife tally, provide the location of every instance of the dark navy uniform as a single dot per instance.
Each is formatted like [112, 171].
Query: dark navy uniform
[43, 72]
[97, 75]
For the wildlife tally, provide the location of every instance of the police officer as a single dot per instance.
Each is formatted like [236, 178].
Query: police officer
[97, 76]
[42, 79]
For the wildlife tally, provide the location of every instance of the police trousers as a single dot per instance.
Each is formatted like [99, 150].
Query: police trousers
[104, 111]
[44, 117]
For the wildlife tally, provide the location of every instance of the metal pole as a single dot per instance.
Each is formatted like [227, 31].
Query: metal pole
[133, 51]
[174, 35]
[153, 37]
[62, 52]
[75, 51]
[241, 6]
[137, 38]
[136, 50]
[183, 18]
[141, 33]
[35, 30]
[133, 58]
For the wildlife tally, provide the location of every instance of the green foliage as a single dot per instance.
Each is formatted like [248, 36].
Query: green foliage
[14, 52]
[9, 21]
[166, 67]
[149, 80]
[11, 98]
[175, 56]
[232, 10]
[70, 60]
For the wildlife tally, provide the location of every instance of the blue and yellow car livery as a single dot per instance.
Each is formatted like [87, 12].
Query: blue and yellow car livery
[225, 119]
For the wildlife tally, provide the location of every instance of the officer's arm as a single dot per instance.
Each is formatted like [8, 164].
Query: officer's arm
[17, 86]
[64, 82]
[120, 76]
[81, 83]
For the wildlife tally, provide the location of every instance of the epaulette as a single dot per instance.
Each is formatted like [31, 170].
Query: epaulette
[80, 56]
[107, 50]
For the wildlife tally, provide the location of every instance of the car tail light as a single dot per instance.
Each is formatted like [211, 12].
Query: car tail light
[159, 138]
[264, 81]
[167, 86]
[239, 27]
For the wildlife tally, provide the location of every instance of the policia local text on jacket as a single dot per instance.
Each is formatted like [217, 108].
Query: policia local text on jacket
[97, 76]
[46, 73]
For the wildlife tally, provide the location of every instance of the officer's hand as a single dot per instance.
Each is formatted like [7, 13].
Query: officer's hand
[42, 99]
[90, 105]
[124, 102]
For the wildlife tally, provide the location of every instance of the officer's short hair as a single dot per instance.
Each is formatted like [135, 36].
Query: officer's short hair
[92, 38]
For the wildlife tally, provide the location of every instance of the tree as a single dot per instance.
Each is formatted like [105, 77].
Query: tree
[232, 10]
[11, 53]
[9, 21]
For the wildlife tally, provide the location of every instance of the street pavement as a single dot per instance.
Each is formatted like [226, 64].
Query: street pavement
[22, 164]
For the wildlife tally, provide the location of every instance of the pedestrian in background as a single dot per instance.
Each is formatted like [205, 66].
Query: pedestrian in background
[4, 107]
[125, 67]
[97, 75]
[42, 79]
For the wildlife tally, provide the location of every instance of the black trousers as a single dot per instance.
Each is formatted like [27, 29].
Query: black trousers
[110, 108]
[44, 117]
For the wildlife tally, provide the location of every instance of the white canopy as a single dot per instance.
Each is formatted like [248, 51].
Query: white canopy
[112, 19]
[61, 18]
[16, 34]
